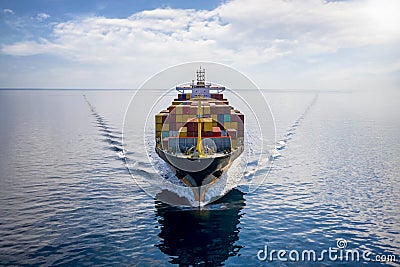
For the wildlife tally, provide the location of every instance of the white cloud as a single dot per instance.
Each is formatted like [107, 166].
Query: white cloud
[8, 11]
[28, 48]
[264, 29]
[42, 16]
[239, 32]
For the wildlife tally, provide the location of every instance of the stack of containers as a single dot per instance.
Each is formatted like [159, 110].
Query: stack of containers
[217, 96]
[182, 97]
[176, 128]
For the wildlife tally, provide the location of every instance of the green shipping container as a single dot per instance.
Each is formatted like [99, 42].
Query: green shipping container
[164, 134]
[227, 117]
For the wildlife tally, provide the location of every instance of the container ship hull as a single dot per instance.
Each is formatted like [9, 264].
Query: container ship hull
[214, 170]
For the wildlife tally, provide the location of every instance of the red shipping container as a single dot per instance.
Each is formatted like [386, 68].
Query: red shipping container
[192, 134]
[178, 125]
[241, 116]
[206, 134]
[216, 132]
[171, 108]
[217, 96]
[172, 126]
[235, 118]
[232, 133]
[193, 110]
[171, 118]
[240, 130]
[216, 129]
[186, 110]
[191, 126]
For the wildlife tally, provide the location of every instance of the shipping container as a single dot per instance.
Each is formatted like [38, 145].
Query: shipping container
[179, 110]
[165, 127]
[232, 133]
[164, 134]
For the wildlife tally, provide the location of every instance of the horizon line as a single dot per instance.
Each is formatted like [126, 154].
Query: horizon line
[157, 89]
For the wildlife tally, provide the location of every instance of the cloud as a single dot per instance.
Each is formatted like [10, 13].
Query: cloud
[158, 33]
[238, 32]
[29, 48]
[247, 31]
[42, 16]
[8, 11]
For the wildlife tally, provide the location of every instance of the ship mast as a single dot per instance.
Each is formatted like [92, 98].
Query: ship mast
[201, 77]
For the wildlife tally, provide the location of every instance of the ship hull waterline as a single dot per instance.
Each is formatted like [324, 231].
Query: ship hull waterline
[216, 167]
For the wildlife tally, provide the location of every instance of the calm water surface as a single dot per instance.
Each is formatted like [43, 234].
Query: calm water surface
[66, 197]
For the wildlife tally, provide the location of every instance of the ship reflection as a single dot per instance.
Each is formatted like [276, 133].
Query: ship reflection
[201, 237]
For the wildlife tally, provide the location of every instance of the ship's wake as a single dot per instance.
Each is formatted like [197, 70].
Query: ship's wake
[282, 143]
[246, 173]
[167, 188]
[110, 136]
[257, 170]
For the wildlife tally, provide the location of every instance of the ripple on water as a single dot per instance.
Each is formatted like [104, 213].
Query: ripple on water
[67, 199]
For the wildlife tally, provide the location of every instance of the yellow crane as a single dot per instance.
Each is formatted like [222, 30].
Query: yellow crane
[199, 146]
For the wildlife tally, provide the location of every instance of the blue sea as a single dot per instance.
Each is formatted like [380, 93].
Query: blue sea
[68, 199]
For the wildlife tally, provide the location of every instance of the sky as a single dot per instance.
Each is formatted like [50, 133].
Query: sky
[279, 44]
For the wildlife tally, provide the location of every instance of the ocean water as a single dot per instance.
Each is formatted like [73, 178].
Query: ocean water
[67, 198]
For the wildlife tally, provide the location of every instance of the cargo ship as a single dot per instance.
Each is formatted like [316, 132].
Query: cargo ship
[200, 134]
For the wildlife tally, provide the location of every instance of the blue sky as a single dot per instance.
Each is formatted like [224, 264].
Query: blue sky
[63, 9]
[309, 44]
